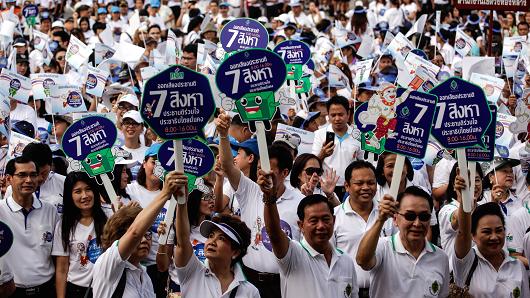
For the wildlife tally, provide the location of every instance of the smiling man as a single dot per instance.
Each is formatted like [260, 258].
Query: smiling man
[32, 222]
[405, 264]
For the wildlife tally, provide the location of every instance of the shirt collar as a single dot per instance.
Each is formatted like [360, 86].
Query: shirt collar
[346, 206]
[507, 259]
[397, 245]
[15, 207]
[239, 276]
[312, 252]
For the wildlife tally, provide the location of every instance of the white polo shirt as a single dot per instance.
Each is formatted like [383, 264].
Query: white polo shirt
[350, 228]
[398, 274]
[442, 170]
[305, 273]
[508, 207]
[197, 280]
[30, 255]
[259, 254]
[447, 233]
[82, 252]
[346, 150]
[516, 228]
[488, 282]
[107, 273]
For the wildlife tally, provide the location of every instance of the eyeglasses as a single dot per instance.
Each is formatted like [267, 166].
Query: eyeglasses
[26, 175]
[148, 235]
[60, 58]
[411, 216]
[130, 123]
[311, 170]
[208, 197]
[125, 107]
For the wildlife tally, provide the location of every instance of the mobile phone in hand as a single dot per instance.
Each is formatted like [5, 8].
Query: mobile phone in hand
[330, 137]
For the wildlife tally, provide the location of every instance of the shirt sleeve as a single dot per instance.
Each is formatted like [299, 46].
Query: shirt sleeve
[5, 273]
[247, 192]
[291, 259]
[380, 252]
[515, 233]
[318, 143]
[186, 273]
[107, 271]
[461, 267]
[58, 247]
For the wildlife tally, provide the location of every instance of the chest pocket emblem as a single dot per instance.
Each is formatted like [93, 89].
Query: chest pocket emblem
[516, 293]
[435, 288]
[347, 291]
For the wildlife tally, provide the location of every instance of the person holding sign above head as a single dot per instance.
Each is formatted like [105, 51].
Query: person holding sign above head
[311, 267]
[485, 268]
[404, 264]
[144, 190]
[334, 144]
[227, 241]
[260, 263]
[127, 239]
[32, 222]
[77, 244]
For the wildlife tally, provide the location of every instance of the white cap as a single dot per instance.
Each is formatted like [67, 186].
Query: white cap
[284, 18]
[263, 19]
[207, 226]
[134, 115]
[295, 3]
[359, 3]
[57, 24]
[130, 98]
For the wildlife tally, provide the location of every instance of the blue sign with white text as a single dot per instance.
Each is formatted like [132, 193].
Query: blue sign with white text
[177, 103]
[293, 51]
[6, 238]
[243, 33]
[198, 157]
[487, 153]
[414, 121]
[462, 114]
[88, 135]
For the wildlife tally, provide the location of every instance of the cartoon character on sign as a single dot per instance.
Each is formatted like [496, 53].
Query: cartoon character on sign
[294, 71]
[14, 85]
[259, 106]
[522, 122]
[98, 162]
[46, 84]
[381, 112]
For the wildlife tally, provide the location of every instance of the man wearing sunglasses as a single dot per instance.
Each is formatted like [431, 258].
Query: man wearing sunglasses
[405, 264]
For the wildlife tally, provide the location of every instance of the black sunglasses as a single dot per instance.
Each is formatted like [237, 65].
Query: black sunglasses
[310, 171]
[411, 216]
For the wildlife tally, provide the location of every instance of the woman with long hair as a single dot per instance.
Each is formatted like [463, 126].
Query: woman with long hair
[78, 242]
[200, 208]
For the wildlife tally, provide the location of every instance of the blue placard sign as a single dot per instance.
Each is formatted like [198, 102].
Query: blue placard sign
[414, 121]
[88, 135]
[487, 153]
[293, 51]
[462, 114]
[198, 157]
[30, 10]
[243, 33]
[250, 71]
[6, 238]
[177, 103]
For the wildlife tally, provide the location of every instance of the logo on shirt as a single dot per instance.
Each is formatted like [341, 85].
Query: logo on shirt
[286, 228]
[516, 293]
[434, 289]
[47, 237]
[94, 250]
[198, 250]
[348, 290]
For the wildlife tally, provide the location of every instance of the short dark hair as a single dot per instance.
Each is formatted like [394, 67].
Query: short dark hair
[418, 192]
[379, 174]
[490, 208]
[39, 153]
[355, 165]
[338, 100]
[282, 156]
[154, 26]
[310, 201]
[98, 26]
[298, 167]
[190, 48]
[11, 167]
[524, 23]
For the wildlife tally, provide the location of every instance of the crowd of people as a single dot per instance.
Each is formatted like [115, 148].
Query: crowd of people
[321, 223]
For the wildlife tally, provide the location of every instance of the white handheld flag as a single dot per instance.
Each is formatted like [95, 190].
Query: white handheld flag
[418, 26]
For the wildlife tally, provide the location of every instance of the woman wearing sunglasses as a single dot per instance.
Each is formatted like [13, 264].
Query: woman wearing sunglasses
[78, 244]
[200, 207]
[306, 176]
[127, 240]
[447, 216]
[485, 268]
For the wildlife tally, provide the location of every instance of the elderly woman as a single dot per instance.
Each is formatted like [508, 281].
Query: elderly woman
[227, 240]
[127, 240]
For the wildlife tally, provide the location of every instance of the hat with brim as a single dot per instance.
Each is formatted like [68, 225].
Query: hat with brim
[293, 141]
[54, 118]
[208, 226]
[295, 3]
[125, 160]
[499, 162]
[153, 150]
[250, 144]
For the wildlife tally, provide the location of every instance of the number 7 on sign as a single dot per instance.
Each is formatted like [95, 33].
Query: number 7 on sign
[162, 99]
[172, 158]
